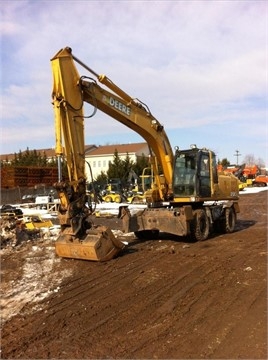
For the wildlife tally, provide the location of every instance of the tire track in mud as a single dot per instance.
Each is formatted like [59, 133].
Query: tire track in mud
[151, 303]
[159, 295]
[232, 301]
[76, 295]
[207, 308]
[80, 296]
[101, 281]
[206, 334]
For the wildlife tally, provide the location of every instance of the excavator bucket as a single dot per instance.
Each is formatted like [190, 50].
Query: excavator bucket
[99, 244]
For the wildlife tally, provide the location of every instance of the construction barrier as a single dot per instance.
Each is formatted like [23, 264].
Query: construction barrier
[27, 176]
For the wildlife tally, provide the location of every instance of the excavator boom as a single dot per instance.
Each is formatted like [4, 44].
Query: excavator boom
[79, 238]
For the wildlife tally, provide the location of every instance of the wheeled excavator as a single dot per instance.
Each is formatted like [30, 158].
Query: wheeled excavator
[188, 196]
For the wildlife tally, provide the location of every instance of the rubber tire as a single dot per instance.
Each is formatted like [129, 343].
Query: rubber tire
[147, 234]
[200, 226]
[108, 199]
[117, 199]
[229, 220]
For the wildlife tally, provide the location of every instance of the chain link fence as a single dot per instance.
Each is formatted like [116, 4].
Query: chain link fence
[20, 195]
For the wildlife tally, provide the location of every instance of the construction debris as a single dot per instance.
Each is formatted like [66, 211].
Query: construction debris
[16, 232]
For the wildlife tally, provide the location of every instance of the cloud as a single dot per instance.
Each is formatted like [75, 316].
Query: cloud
[194, 63]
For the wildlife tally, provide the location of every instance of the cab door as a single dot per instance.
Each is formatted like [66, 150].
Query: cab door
[204, 175]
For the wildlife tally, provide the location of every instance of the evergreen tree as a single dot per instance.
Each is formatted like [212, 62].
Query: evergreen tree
[224, 162]
[120, 168]
[32, 158]
[127, 166]
[115, 169]
[141, 163]
[102, 178]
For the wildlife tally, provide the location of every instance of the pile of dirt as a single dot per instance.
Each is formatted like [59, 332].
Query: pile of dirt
[164, 298]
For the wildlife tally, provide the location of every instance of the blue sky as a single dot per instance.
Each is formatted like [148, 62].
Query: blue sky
[200, 66]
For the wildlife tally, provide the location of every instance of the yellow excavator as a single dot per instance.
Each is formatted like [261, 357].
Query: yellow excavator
[188, 197]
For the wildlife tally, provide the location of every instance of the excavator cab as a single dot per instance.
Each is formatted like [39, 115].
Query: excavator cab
[194, 173]
[196, 178]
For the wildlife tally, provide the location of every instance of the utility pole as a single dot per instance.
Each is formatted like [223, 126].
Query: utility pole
[237, 155]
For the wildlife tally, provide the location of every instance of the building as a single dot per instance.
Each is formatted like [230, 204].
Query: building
[49, 153]
[30, 175]
[99, 158]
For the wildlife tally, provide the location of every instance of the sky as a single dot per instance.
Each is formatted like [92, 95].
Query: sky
[200, 66]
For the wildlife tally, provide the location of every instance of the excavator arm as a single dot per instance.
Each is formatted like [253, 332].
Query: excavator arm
[79, 238]
[71, 91]
[69, 133]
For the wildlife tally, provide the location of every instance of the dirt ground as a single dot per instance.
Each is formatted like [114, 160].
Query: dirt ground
[162, 299]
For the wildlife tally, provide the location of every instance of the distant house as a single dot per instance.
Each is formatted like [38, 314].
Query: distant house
[49, 152]
[7, 158]
[100, 157]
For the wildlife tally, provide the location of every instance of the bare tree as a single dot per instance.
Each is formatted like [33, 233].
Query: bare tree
[249, 160]
[260, 162]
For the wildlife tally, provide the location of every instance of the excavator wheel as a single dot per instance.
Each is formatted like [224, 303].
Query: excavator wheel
[108, 199]
[228, 223]
[199, 226]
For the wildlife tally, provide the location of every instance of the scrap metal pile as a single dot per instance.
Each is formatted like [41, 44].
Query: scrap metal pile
[16, 229]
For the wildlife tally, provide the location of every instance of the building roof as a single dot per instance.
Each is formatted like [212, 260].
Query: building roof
[90, 149]
[49, 153]
[121, 149]
[9, 157]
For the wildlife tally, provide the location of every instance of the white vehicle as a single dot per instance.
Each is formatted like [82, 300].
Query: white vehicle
[44, 199]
